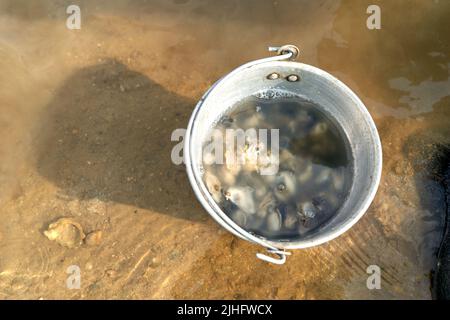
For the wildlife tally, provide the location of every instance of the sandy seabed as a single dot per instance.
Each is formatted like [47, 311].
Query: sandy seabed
[86, 118]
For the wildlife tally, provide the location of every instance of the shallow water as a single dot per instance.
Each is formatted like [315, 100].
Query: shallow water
[86, 118]
[313, 162]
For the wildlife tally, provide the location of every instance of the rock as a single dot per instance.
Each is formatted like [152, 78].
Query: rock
[94, 238]
[66, 232]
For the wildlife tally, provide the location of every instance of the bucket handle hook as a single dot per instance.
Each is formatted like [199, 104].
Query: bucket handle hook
[294, 51]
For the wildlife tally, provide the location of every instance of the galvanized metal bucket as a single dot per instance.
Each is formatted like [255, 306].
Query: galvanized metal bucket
[281, 74]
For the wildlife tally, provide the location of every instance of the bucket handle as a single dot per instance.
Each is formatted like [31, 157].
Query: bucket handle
[280, 253]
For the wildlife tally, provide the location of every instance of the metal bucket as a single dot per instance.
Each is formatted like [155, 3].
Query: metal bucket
[333, 96]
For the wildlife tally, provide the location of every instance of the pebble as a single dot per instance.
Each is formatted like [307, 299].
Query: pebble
[94, 238]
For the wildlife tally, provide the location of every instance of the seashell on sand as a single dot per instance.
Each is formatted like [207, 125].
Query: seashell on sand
[66, 232]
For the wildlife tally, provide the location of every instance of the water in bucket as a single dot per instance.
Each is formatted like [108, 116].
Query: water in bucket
[314, 166]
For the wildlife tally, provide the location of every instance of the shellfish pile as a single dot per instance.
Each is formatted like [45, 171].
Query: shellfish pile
[314, 168]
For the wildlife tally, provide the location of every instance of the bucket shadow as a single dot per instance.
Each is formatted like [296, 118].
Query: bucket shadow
[106, 135]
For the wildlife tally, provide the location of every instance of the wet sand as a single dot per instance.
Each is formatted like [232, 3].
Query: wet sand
[85, 123]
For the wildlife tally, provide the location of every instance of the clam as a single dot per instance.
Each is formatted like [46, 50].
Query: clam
[255, 223]
[214, 186]
[306, 174]
[285, 185]
[268, 163]
[289, 215]
[239, 217]
[260, 191]
[242, 197]
[323, 204]
[267, 204]
[273, 220]
[255, 119]
[231, 162]
[319, 129]
[257, 182]
[338, 180]
[287, 160]
[227, 176]
[307, 210]
[208, 157]
[301, 122]
[323, 175]
[249, 155]
[290, 221]
[307, 216]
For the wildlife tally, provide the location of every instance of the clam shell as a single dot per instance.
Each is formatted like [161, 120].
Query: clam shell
[307, 210]
[319, 129]
[242, 197]
[267, 204]
[290, 221]
[66, 232]
[285, 185]
[323, 175]
[306, 174]
[338, 180]
[273, 220]
[239, 217]
[213, 185]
